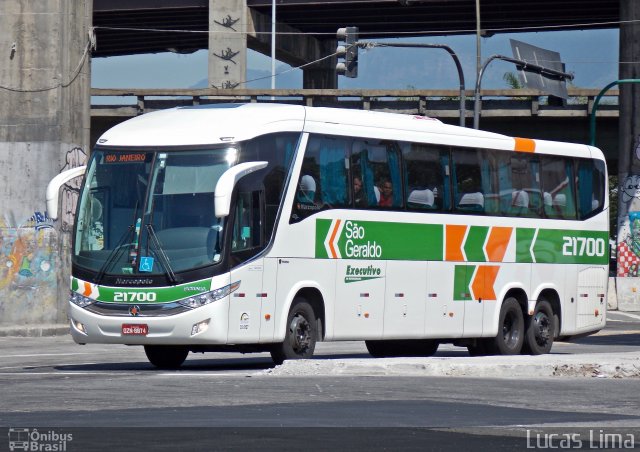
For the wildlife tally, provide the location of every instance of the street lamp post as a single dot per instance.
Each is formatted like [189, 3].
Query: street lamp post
[521, 64]
[456, 60]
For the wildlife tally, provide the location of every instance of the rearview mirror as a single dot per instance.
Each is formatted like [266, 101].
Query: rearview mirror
[228, 180]
[53, 188]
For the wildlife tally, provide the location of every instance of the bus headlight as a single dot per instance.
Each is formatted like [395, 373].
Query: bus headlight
[80, 300]
[209, 297]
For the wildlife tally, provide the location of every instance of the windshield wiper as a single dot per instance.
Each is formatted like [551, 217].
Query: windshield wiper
[164, 260]
[114, 254]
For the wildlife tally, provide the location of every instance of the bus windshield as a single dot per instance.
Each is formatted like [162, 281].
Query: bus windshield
[150, 213]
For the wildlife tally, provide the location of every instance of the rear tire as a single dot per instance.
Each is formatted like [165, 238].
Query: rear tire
[510, 329]
[166, 356]
[301, 335]
[405, 347]
[541, 327]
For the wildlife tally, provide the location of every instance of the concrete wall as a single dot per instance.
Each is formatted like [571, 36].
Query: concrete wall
[44, 129]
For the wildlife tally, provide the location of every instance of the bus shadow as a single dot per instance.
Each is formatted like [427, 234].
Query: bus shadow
[610, 339]
[215, 364]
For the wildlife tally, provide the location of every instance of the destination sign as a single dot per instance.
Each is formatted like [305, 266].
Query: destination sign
[125, 158]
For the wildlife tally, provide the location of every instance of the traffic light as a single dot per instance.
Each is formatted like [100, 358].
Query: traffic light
[348, 51]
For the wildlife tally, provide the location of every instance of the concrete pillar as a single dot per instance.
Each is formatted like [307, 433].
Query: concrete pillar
[628, 283]
[227, 43]
[322, 75]
[44, 129]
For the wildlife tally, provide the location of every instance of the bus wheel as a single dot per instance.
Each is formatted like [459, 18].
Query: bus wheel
[510, 329]
[166, 356]
[300, 338]
[540, 330]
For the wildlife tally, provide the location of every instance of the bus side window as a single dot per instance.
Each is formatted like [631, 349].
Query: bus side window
[467, 184]
[425, 174]
[591, 175]
[247, 234]
[378, 164]
[323, 179]
[558, 187]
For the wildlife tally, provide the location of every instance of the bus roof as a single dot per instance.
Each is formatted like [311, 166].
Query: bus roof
[223, 123]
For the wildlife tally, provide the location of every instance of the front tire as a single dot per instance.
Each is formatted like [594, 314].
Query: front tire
[166, 356]
[541, 327]
[301, 335]
[510, 329]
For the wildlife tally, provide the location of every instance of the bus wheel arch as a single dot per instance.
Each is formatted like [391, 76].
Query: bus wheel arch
[303, 328]
[316, 300]
[552, 297]
[541, 327]
[511, 326]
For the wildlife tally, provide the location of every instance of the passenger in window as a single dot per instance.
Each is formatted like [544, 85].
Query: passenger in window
[305, 204]
[386, 194]
[359, 196]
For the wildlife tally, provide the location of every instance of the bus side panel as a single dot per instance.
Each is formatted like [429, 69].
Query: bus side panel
[591, 298]
[359, 300]
[554, 277]
[269, 286]
[405, 299]
[245, 304]
[568, 298]
[297, 274]
[444, 315]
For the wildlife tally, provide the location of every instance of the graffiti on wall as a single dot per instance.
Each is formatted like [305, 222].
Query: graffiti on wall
[34, 255]
[628, 246]
[28, 280]
[71, 191]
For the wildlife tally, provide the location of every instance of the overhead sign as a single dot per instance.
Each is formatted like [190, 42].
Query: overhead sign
[541, 57]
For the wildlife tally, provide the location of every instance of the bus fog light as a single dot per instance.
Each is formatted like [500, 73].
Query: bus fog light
[79, 326]
[200, 327]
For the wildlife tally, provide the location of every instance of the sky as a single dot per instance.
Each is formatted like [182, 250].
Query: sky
[591, 55]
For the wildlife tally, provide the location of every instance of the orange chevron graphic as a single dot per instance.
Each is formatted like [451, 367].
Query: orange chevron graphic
[87, 289]
[334, 254]
[497, 243]
[483, 281]
[455, 236]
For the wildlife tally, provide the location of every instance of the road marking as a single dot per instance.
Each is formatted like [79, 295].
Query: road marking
[626, 314]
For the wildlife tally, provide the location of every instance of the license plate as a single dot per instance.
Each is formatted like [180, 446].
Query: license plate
[139, 329]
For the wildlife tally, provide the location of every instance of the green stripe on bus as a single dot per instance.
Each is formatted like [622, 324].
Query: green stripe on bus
[140, 294]
[461, 282]
[524, 238]
[473, 246]
[382, 240]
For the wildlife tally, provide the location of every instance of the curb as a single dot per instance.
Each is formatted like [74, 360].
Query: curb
[622, 365]
[35, 330]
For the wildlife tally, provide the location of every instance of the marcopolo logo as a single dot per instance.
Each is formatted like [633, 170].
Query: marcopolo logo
[358, 273]
[33, 440]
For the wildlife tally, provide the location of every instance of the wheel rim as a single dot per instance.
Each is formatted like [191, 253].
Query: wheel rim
[300, 334]
[542, 328]
[510, 332]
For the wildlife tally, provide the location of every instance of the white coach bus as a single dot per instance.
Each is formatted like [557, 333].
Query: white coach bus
[266, 227]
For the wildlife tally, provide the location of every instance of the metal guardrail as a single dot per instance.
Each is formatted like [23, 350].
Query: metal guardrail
[435, 103]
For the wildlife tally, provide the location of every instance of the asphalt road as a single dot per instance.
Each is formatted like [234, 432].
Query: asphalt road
[110, 398]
